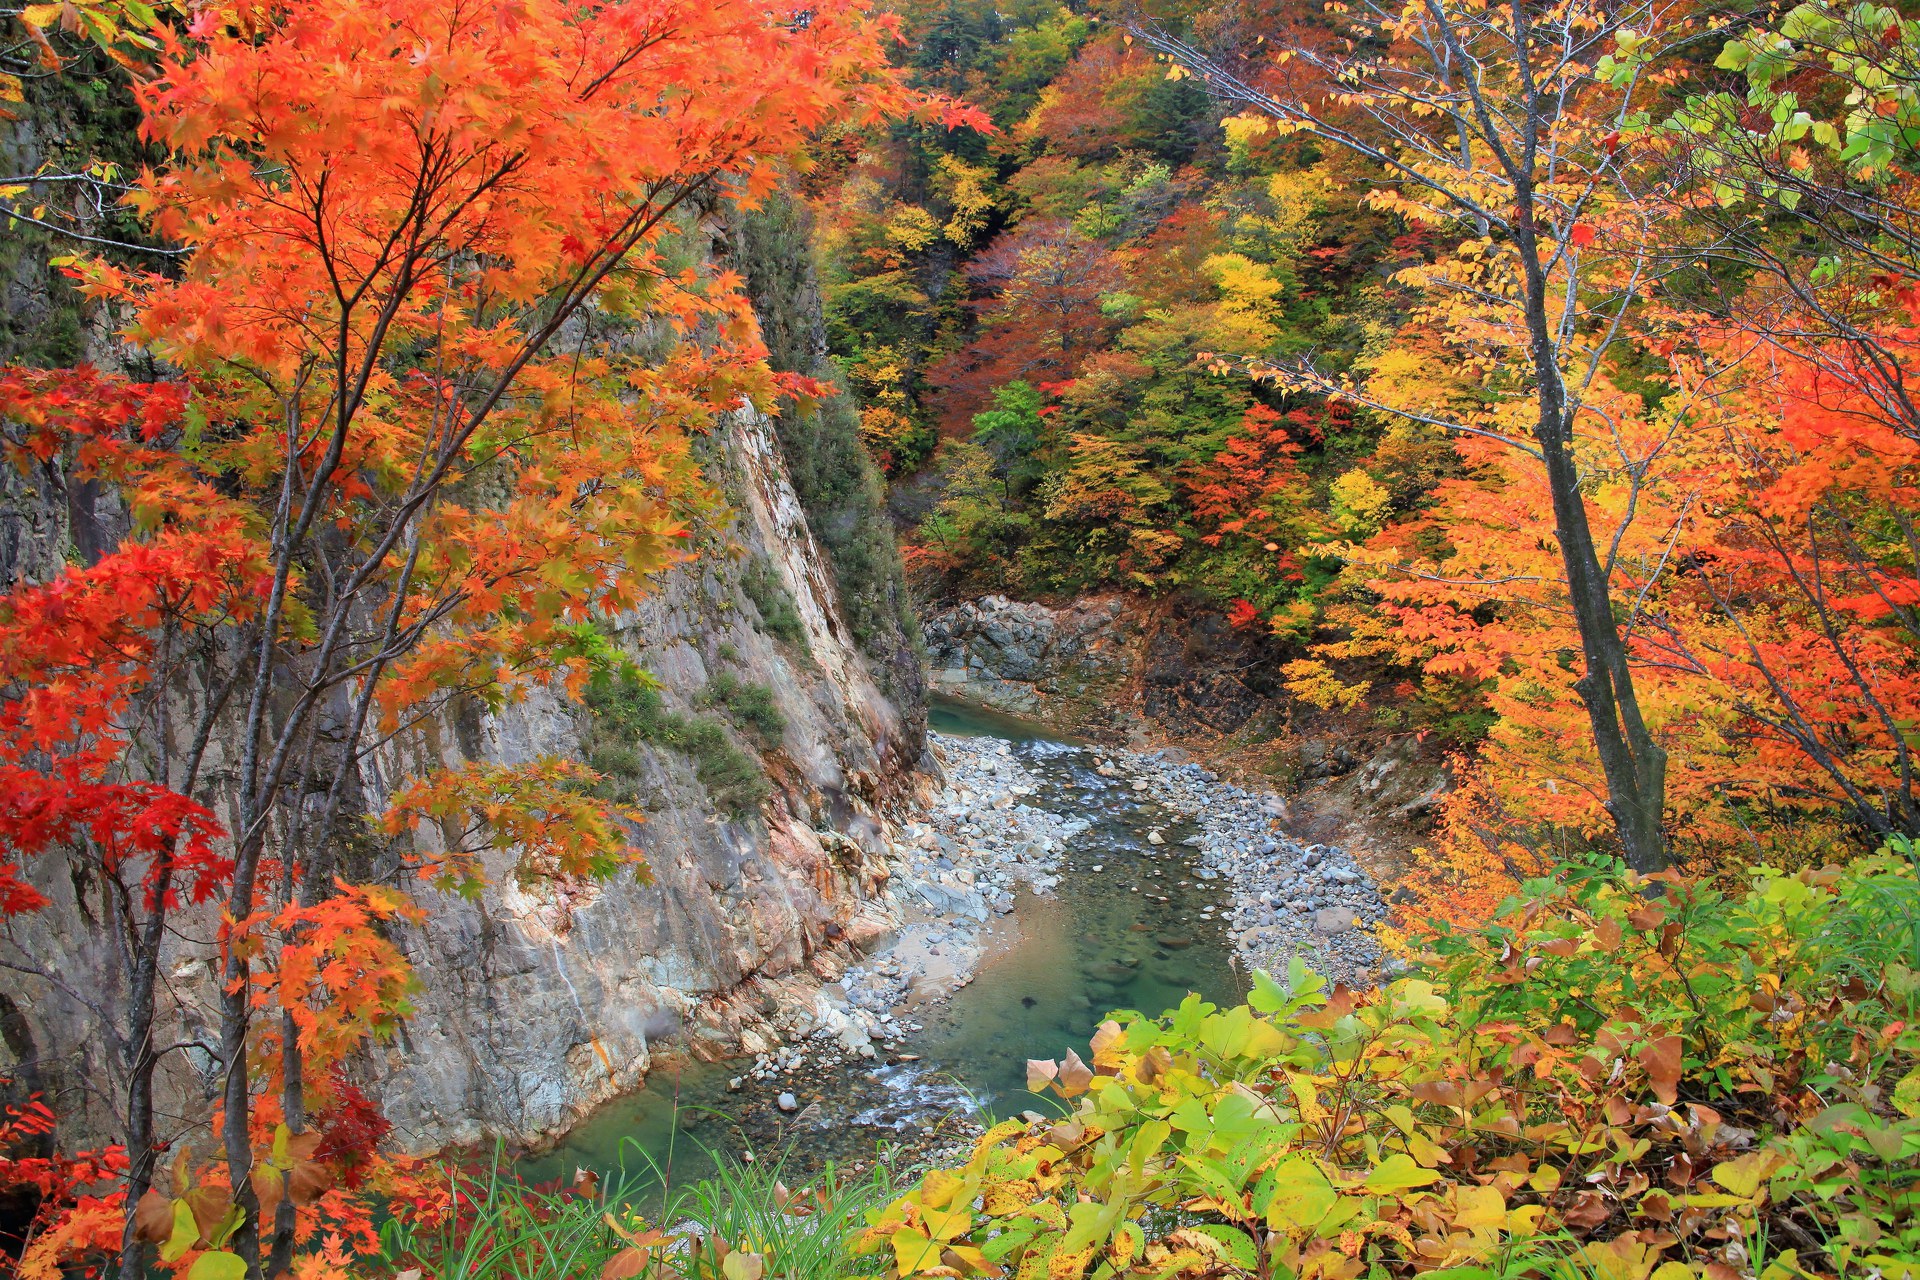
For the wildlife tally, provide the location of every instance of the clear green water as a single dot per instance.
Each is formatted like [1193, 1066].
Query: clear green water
[1100, 942]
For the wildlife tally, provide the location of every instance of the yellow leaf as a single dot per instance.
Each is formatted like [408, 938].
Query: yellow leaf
[938, 1188]
[1479, 1207]
[1305, 1097]
[186, 1232]
[1426, 1150]
[217, 1265]
[10, 89]
[1070, 1265]
[913, 1250]
[1744, 1175]
[1525, 1220]
[1906, 1094]
[945, 1224]
[1399, 1173]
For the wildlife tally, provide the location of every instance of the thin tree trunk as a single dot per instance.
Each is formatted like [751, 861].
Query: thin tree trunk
[1634, 764]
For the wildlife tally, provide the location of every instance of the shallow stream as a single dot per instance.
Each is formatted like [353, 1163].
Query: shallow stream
[1102, 941]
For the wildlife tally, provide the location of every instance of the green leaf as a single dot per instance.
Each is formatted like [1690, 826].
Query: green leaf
[1399, 1173]
[1302, 1195]
[1240, 1247]
[185, 1232]
[218, 1265]
[1267, 995]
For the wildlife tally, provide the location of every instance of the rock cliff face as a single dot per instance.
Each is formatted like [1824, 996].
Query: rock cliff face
[787, 643]
[1111, 665]
[535, 1009]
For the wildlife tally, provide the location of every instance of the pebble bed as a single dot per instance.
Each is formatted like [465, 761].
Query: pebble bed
[980, 841]
[1287, 898]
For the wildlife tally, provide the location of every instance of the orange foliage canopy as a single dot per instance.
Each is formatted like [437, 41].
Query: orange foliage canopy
[1766, 560]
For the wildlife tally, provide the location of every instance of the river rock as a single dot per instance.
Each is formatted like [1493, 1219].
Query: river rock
[1331, 920]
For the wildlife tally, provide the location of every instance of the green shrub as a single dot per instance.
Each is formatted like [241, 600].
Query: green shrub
[625, 709]
[750, 705]
[778, 617]
[1601, 1082]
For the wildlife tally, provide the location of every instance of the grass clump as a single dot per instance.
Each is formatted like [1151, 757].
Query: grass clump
[626, 709]
[493, 1226]
[750, 705]
[778, 617]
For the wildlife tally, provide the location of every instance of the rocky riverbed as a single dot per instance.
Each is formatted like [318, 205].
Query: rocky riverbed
[987, 835]
[1045, 884]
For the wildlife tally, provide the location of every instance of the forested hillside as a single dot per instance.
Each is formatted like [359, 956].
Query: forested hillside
[1229, 305]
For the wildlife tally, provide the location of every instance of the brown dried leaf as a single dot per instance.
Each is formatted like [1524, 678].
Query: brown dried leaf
[1075, 1075]
[269, 1188]
[626, 1264]
[153, 1218]
[303, 1146]
[210, 1206]
[1662, 1059]
[1153, 1064]
[307, 1181]
[1588, 1211]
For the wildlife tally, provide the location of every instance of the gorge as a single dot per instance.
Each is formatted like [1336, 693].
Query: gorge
[959, 640]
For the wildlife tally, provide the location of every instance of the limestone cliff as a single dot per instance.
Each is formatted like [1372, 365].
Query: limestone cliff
[533, 1009]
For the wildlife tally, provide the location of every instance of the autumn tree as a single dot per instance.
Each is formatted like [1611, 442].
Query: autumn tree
[1817, 152]
[1040, 289]
[1501, 124]
[412, 452]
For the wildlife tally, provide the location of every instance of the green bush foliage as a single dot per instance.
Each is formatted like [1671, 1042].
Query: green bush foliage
[625, 708]
[750, 705]
[1614, 1078]
[778, 617]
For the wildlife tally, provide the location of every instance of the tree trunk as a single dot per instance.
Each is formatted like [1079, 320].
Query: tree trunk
[1634, 764]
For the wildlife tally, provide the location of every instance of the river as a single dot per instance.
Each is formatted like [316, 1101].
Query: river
[1049, 974]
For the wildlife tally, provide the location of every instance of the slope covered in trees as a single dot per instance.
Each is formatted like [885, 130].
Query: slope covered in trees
[1537, 380]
